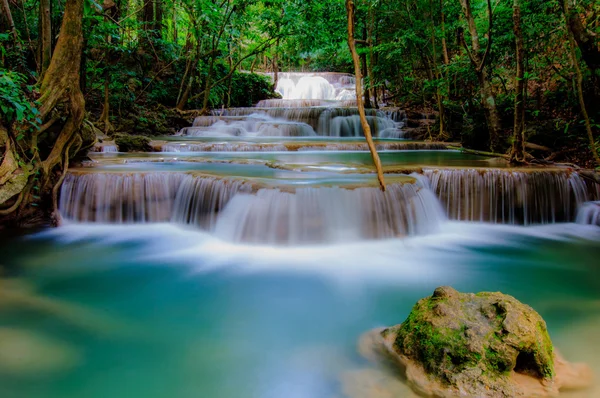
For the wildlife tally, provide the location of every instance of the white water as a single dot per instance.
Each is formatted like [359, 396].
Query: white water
[310, 86]
[315, 215]
[589, 213]
[511, 197]
[244, 211]
[240, 211]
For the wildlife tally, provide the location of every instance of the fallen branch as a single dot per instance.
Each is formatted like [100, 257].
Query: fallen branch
[481, 153]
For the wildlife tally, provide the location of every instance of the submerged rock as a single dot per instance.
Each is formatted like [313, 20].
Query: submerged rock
[485, 345]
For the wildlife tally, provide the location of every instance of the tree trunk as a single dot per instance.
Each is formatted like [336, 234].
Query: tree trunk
[518, 148]
[359, 94]
[442, 135]
[108, 6]
[371, 65]
[148, 15]
[275, 66]
[363, 59]
[174, 21]
[62, 112]
[45, 36]
[208, 83]
[158, 19]
[9, 20]
[444, 44]
[585, 39]
[575, 61]
[479, 61]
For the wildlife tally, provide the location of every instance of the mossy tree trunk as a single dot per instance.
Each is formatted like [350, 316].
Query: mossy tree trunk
[359, 93]
[35, 161]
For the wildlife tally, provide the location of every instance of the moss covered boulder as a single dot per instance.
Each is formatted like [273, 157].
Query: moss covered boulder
[485, 345]
[132, 143]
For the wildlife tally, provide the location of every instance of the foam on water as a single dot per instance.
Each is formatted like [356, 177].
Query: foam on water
[589, 213]
[239, 210]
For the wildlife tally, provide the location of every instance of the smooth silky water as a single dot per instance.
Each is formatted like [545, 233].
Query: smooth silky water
[235, 275]
[170, 311]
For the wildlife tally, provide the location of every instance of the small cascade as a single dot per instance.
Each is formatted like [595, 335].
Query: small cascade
[589, 213]
[294, 103]
[326, 121]
[509, 197]
[109, 149]
[350, 126]
[119, 198]
[223, 147]
[242, 146]
[241, 211]
[254, 124]
[314, 215]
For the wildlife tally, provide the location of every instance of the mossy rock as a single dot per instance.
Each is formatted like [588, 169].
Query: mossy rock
[132, 143]
[484, 345]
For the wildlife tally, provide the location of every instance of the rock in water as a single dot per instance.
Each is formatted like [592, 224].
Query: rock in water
[485, 345]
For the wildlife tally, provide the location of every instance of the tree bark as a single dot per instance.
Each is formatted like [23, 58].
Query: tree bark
[585, 39]
[479, 61]
[518, 148]
[371, 65]
[444, 44]
[582, 105]
[363, 59]
[359, 94]
[62, 112]
[45, 35]
[109, 8]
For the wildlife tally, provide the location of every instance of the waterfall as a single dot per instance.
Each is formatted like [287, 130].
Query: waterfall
[316, 86]
[313, 215]
[109, 149]
[242, 146]
[239, 210]
[223, 147]
[292, 122]
[589, 213]
[510, 197]
[119, 198]
[350, 126]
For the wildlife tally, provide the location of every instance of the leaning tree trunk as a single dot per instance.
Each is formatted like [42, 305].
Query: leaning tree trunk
[517, 154]
[44, 162]
[359, 94]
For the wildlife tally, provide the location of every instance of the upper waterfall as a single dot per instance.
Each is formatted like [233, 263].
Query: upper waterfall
[316, 86]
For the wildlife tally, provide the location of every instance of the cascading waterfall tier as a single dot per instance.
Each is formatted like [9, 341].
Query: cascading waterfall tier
[510, 197]
[589, 213]
[292, 146]
[323, 120]
[243, 211]
[309, 86]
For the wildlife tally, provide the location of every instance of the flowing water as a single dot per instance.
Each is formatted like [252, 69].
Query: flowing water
[235, 264]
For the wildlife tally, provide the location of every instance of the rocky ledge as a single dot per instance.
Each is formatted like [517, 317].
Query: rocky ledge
[485, 345]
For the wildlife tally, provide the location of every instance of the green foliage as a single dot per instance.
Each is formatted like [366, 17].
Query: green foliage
[15, 105]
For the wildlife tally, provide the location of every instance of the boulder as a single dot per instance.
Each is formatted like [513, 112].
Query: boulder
[486, 345]
[132, 143]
